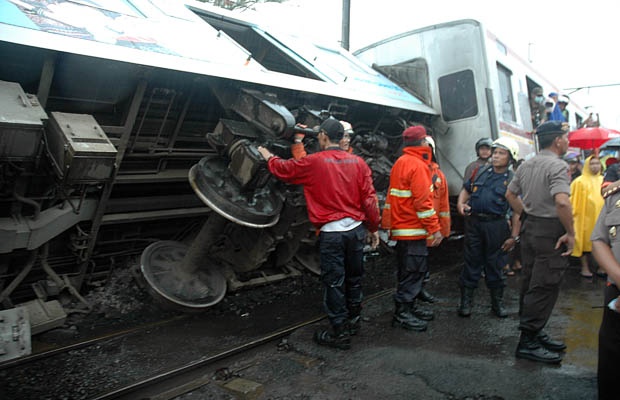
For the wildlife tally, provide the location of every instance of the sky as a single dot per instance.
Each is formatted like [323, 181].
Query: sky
[573, 44]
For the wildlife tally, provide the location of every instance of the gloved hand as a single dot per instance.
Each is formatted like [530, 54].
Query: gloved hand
[298, 137]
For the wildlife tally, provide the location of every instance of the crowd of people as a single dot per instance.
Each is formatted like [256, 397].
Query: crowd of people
[518, 215]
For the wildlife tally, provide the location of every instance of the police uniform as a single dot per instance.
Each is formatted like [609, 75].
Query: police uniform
[488, 228]
[607, 230]
[537, 181]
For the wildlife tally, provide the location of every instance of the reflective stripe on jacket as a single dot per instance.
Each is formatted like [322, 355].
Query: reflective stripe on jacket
[441, 198]
[409, 201]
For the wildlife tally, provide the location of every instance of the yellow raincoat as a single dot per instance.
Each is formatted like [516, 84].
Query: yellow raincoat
[587, 202]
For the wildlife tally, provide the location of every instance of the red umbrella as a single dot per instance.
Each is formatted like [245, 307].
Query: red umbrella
[591, 138]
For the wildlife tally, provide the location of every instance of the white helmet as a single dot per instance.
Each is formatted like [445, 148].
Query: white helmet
[563, 99]
[347, 127]
[507, 144]
[430, 141]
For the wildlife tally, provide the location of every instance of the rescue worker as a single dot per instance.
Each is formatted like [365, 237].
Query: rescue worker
[488, 237]
[540, 191]
[483, 152]
[298, 150]
[413, 220]
[340, 199]
[441, 203]
[606, 251]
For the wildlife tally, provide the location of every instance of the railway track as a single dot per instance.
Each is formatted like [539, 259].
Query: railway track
[165, 358]
[196, 373]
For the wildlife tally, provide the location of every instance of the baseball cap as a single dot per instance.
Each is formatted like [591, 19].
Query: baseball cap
[414, 133]
[333, 129]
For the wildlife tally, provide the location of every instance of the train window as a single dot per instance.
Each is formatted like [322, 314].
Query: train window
[505, 93]
[457, 94]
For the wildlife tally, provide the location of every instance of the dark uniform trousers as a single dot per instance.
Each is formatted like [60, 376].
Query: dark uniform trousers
[543, 270]
[608, 349]
[342, 269]
[412, 266]
[484, 238]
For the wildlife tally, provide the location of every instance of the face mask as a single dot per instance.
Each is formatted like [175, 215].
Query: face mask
[539, 99]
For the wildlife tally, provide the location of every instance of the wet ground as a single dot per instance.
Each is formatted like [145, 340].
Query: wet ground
[456, 358]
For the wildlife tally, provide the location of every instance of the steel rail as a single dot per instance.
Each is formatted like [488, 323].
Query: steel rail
[139, 389]
[65, 349]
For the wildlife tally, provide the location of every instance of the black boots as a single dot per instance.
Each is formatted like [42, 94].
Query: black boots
[531, 348]
[404, 317]
[497, 302]
[420, 313]
[425, 296]
[548, 343]
[355, 317]
[467, 297]
[338, 339]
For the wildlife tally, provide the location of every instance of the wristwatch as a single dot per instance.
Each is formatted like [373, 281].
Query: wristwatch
[517, 238]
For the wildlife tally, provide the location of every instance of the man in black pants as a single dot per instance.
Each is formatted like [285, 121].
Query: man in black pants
[540, 189]
[342, 205]
[488, 237]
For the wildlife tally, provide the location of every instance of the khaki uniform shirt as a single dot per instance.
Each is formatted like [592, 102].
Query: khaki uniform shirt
[607, 228]
[538, 180]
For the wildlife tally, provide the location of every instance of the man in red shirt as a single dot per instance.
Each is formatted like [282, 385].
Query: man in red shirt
[412, 219]
[343, 206]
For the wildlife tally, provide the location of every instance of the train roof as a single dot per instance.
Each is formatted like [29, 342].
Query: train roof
[188, 36]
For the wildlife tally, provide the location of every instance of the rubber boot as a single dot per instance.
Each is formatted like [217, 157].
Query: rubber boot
[467, 297]
[355, 317]
[404, 318]
[497, 302]
[530, 348]
[425, 296]
[338, 338]
[420, 313]
[549, 343]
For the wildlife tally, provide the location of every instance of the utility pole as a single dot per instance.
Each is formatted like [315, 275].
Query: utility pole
[346, 23]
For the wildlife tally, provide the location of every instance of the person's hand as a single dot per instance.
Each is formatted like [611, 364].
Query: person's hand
[298, 137]
[509, 244]
[264, 152]
[568, 241]
[463, 209]
[437, 238]
[373, 237]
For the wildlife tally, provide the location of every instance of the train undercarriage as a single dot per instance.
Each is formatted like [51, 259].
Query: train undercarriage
[114, 160]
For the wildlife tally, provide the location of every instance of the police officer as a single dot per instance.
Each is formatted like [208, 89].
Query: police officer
[606, 250]
[540, 190]
[483, 151]
[488, 235]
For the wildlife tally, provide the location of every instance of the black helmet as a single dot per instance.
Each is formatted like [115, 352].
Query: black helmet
[483, 142]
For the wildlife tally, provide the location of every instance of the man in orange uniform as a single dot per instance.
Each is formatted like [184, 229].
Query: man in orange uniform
[412, 219]
[441, 202]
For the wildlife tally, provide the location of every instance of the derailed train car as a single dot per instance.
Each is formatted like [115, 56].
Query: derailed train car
[129, 129]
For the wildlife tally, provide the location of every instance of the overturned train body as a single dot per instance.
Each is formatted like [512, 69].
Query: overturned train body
[133, 136]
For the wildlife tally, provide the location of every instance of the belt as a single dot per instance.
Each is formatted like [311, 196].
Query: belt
[488, 217]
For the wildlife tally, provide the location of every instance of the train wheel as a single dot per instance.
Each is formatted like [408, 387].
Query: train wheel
[173, 286]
